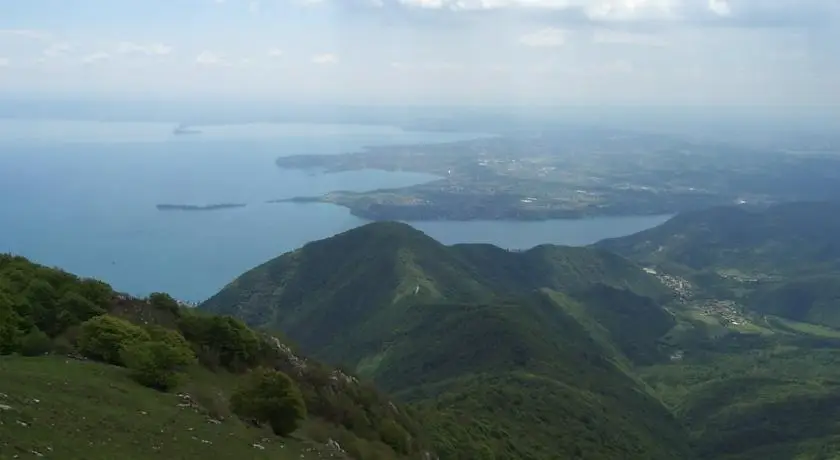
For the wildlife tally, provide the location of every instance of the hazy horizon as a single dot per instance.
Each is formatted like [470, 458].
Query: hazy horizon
[742, 53]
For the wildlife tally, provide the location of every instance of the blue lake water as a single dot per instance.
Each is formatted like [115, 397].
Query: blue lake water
[82, 195]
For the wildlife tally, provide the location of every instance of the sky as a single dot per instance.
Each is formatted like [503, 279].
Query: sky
[541, 52]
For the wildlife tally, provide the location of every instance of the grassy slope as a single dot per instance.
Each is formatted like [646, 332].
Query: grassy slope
[83, 410]
[339, 406]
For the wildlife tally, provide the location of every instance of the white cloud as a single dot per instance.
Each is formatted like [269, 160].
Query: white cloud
[254, 6]
[152, 49]
[426, 66]
[96, 57]
[5, 62]
[595, 9]
[720, 7]
[544, 37]
[57, 49]
[30, 34]
[208, 58]
[325, 59]
[608, 36]
[275, 52]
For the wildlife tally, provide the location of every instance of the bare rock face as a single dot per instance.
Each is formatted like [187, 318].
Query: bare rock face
[297, 363]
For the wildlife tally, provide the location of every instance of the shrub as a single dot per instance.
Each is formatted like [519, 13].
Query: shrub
[157, 364]
[103, 337]
[269, 396]
[35, 343]
[8, 327]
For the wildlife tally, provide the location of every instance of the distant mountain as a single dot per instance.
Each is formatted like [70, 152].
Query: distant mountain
[522, 355]
[784, 239]
[783, 260]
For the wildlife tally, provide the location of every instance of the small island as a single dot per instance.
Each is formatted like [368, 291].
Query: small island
[192, 207]
[183, 129]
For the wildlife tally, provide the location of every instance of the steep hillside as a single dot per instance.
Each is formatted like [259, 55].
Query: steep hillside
[456, 330]
[102, 375]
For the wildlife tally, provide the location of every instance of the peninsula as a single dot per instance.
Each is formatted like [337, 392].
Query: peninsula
[191, 207]
[572, 174]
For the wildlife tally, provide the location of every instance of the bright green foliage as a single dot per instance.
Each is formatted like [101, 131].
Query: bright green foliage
[157, 364]
[103, 338]
[269, 396]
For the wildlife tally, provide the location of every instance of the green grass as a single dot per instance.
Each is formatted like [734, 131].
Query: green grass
[71, 409]
[798, 327]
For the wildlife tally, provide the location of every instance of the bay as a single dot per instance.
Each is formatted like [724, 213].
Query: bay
[81, 195]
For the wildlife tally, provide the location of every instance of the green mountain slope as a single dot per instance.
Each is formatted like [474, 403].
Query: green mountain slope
[783, 260]
[456, 330]
[784, 239]
[754, 373]
[55, 402]
[334, 291]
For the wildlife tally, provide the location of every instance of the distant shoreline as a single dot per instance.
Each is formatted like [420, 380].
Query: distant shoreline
[191, 207]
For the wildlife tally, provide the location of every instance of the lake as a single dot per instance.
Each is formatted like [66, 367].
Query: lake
[81, 195]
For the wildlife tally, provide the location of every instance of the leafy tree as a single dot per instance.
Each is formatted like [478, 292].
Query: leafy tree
[42, 296]
[73, 309]
[99, 293]
[270, 396]
[228, 340]
[8, 326]
[157, 364]
[35, 343]
[163, 301]
[103, 338]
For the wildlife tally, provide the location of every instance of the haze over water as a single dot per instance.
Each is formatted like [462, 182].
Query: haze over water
[82, 195]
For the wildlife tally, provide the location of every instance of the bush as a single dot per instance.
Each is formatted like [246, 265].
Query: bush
[157, 364]
[35, 343]
[269, 396]
[103, 337]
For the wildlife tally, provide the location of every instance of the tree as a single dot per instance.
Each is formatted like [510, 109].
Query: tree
[229, 340]
[73, 309]
[103, 338]
[158, 364]
[270, 396]
[163, 301]
[9, 331]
